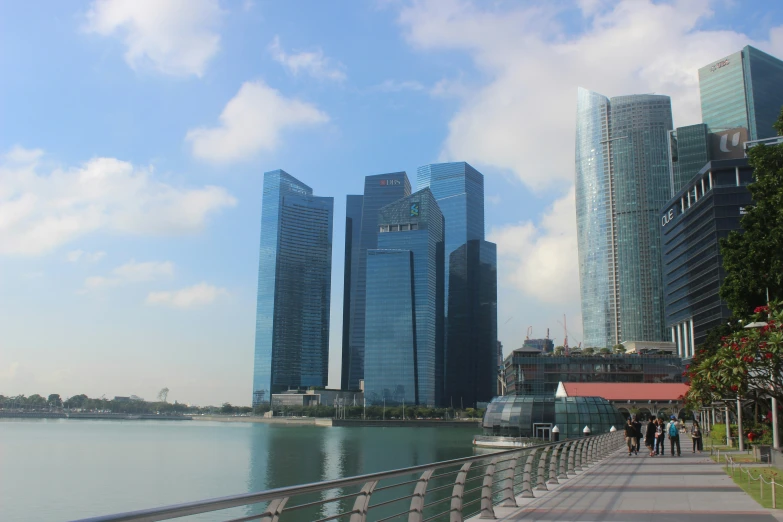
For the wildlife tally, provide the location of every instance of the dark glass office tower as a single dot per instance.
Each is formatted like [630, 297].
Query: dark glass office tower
[689, 151]
[294, 288]
[742, 90]
[362, 218]
[471, 284]
[404, 304]
[692, 224]
[622, 181]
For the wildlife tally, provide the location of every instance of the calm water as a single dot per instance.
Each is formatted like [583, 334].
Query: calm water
[54, 470]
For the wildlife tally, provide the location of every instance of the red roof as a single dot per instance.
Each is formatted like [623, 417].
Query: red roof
[627, 391]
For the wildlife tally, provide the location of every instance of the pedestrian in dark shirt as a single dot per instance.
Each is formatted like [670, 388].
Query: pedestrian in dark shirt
[638, 427]
[649, 437]
[630, 437]
[696, 436]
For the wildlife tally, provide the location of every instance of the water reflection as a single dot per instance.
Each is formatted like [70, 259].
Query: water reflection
[283, 455]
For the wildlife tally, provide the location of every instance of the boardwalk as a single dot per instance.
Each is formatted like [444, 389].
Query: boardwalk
[641, 489]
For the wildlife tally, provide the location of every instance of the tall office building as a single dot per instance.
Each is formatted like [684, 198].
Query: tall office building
[622, 181]
[361, 235]
[404, 304]
[294, 288]
[471, 284]
[742, 90]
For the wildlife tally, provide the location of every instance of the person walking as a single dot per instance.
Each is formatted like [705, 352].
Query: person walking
[696, 437]
[638, 426]
[630, 437]
[649, 437]
[674, 436]
[660, 437]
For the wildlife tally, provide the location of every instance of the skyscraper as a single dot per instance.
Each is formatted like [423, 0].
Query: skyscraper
[742, 90]
[294, 287]
[622, 181]
[404, 311]
[470, 286]
[361, 227]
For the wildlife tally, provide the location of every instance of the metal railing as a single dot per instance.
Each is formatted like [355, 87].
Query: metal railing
[450, 490]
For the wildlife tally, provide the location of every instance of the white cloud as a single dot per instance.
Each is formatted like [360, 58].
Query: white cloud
[252, 121]
[541, 260]
[131, 272]
[74, 256]
[42, 209]
[523, 118]
[399, 86]
[313, 63]
[174, 37]
[190, 297]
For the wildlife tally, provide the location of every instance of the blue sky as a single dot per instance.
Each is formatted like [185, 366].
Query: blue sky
[134, 136]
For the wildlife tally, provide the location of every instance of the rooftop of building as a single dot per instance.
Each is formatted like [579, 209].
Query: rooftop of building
[620, 391]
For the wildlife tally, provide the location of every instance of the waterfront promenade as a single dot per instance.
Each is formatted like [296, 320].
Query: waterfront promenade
[641, 489]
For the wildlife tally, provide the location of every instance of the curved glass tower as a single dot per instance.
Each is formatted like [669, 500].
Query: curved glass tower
[622, 182]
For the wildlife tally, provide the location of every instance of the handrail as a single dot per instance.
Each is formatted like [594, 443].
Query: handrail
[502, 463]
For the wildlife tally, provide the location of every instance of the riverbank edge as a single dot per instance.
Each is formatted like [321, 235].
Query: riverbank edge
[344, 423]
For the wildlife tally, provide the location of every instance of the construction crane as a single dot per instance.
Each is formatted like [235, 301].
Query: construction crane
[529, 333]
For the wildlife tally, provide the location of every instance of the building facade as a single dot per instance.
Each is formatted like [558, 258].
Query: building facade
[623, 179]
[542, 345]
[742, 90]
[361, 235]
[470, 285]
[405, 327]
[294, 288]
[529, 373]
[692, 225]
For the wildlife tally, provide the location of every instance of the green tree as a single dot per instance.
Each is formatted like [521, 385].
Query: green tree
[227, 408]
[618, 348]
[605, 351]
[559, 350]
[55, 400]
[753, 257]
[588, 351]
[163, 394]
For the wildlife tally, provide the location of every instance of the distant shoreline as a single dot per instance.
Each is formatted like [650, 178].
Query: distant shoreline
[345, 423]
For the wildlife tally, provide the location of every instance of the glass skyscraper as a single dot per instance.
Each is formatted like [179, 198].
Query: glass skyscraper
[361, 235]
[689, 152]
[742, 90]
[404, 335]
[470, 284]
[622, 182]
[294, 288]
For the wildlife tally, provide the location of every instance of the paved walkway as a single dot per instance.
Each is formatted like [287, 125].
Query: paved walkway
[641, 488]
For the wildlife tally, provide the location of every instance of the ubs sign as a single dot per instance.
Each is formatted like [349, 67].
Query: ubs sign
[719, 65]
[390, 182]
[666, 218]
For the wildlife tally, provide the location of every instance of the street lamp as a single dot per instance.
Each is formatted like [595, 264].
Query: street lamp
[774, 401]
[555, 434]
[586, 431]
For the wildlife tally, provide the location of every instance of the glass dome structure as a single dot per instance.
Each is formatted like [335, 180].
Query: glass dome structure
[536, 417]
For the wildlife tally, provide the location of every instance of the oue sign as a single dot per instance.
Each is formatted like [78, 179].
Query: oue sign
[667, 217]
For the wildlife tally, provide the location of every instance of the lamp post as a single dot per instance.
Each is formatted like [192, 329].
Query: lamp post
[586, 431]
[774, 401]
[555, 434]
[739, 424]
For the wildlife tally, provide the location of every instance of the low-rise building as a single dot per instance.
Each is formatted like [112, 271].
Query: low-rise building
[643, 399]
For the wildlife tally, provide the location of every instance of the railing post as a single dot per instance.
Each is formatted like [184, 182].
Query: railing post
[572, 458]
[507, 493]
[273, 510]
[362, 502]
[561, 470]
[417, 500]
[457, 493]
[556, 451]
[585, 447]
[527, 489]
[578, 450]
[487, 512]
[541, 476]
[774, 495]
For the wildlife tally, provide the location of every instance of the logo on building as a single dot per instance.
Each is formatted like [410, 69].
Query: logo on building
[414, 210]
[667, 217]
[722, 63]
[390, 182]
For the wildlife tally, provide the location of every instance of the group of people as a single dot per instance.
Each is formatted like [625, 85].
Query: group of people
[655, 436]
